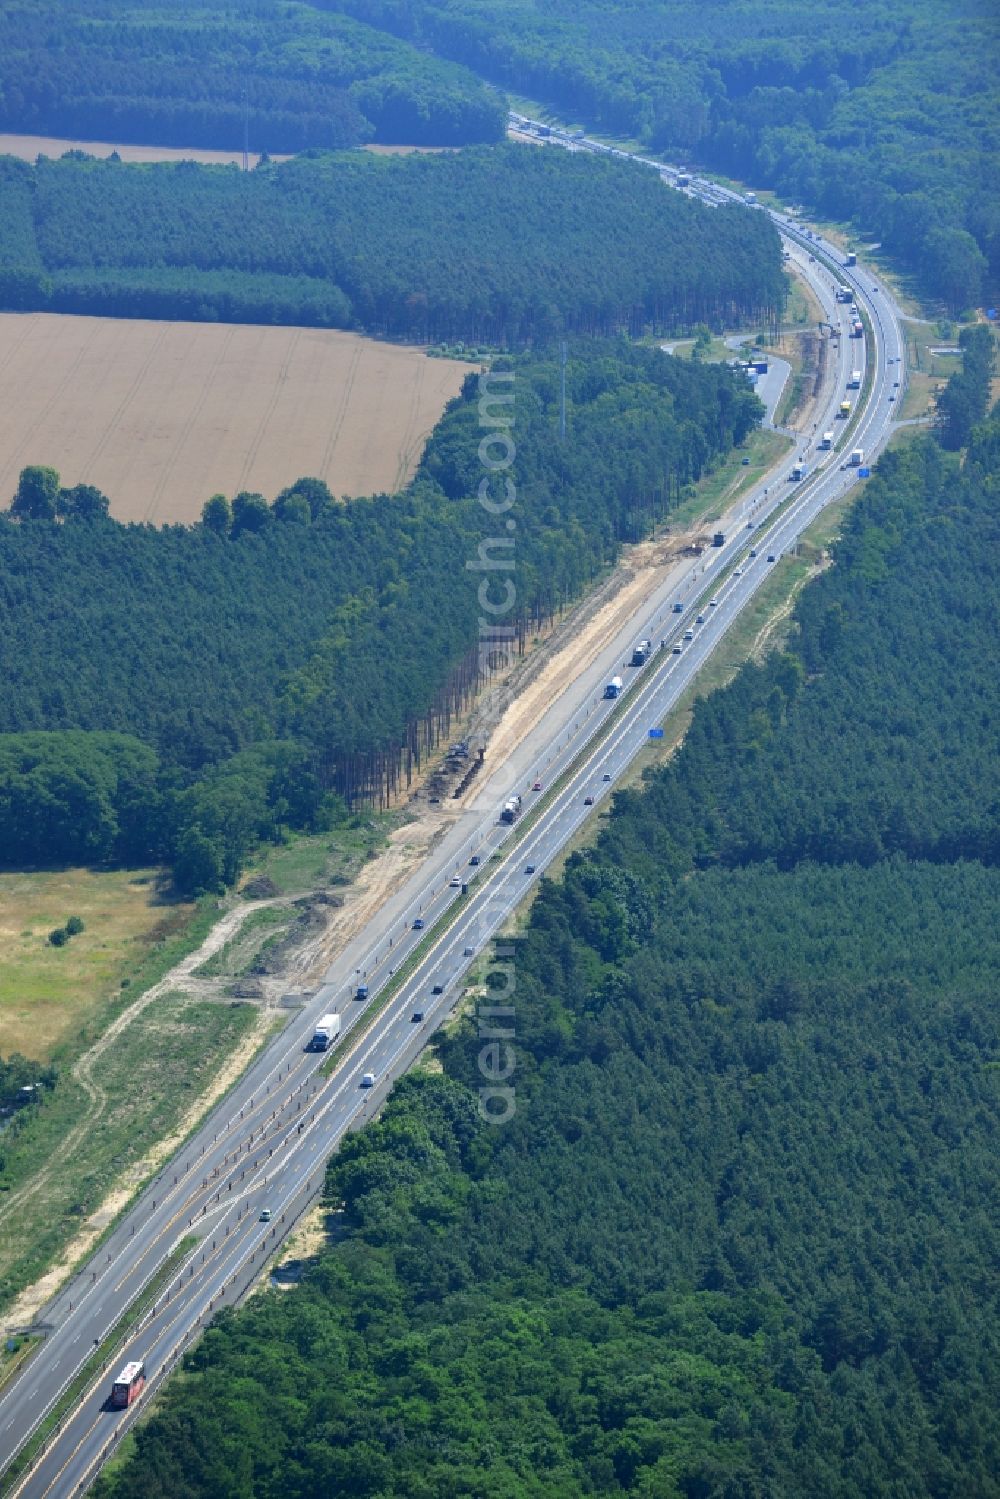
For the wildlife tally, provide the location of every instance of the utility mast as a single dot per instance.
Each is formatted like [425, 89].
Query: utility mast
[562, 391]
[246, 127]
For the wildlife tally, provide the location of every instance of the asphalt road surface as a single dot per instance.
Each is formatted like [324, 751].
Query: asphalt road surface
[265, 1147]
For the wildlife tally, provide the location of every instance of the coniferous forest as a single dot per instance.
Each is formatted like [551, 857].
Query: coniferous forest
[885, 114]
[181, 693]
[492, 244]
[285, 77]
[739, 1236]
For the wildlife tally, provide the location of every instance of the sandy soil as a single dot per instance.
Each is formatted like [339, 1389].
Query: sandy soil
[162, 415]
[581, 637]
[27, 147]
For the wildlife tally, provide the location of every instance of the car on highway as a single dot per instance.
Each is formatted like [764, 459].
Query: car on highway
[753, 551]
[529, 868]
[676, 650]
[892, 395]
[678, 608]
[536, 785]
[368, 1081]
[688, 634]
[417, 1016]
[737, 572]
[438, 989]
[474, 861]
[607, 775]
[265, 1215]
[771, 557]
[455, 882]
[713, 603]
[588, 801]
[749, 525]
[469, 952]
[895, 384]
[418, 924]
[700, 620]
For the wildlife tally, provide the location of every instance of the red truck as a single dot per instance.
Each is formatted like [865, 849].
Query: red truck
[129, 1384]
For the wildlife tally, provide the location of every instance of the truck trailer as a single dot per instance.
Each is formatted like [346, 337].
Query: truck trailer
[844, 294]
[827, 440]
[857, 328]
[641, 653]
[129, 1384]
[511, 809]
[845, 409]
[614, 687]
[326, 1032]
[854, 383]
[857, 457]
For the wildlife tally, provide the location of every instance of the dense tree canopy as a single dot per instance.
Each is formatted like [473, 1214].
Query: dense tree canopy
[350, 629]
[168, 73]
[737, 1238]
[886, 113]
[497, 244]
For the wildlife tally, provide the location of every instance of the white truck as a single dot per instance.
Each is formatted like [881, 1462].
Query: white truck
[614, 687]
[326, 1032]
[844, 294]
[857, 457]
[827, 440]
[854, 383]
[798, 472]
[511, 809]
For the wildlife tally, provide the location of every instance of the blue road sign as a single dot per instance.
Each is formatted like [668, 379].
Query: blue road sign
[656, 733]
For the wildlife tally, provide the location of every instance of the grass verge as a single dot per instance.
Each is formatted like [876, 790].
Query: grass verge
[137, 1092]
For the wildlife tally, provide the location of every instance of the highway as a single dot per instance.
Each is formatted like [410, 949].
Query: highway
[264, 1148]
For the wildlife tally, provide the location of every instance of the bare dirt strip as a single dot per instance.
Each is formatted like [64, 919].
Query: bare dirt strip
[28, 147]
[162, 415]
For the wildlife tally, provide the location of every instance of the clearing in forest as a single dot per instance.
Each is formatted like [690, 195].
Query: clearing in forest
[46, 992]
[162, 415]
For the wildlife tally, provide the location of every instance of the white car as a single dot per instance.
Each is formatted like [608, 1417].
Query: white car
[455, 882]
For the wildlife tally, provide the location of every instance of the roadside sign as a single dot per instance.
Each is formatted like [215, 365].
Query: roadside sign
[656, 733]
[864, 473]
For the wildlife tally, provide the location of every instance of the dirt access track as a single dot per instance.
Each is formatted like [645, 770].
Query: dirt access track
[162, 415]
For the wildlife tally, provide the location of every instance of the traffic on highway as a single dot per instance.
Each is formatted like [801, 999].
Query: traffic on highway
[203, 1231]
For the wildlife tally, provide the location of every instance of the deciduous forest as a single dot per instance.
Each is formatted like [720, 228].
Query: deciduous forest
[738, 1237]
[167, 73]
[885, 113]
[501, 245]
[183, 692]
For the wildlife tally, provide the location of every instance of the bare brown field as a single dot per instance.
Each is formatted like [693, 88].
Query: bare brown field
[161, 415]
[27, 147]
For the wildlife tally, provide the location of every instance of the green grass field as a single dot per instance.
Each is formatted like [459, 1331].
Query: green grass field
[47, 994]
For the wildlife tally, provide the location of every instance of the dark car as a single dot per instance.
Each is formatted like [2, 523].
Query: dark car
[418, 925]
[588, 801]
[474, 860]
[438, 989]
[607, 775]
[529, 869]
